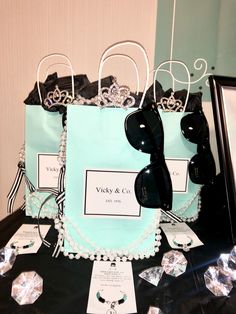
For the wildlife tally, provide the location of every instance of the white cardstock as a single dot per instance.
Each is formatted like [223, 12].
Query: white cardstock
[48, 171]
[181, 233]
[178, 169]
[26, 239]
[110, 193]
[112, 285]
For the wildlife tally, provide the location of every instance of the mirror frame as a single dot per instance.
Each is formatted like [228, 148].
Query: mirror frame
[217, 85]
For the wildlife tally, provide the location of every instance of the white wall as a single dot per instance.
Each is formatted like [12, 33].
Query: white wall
[81, 29]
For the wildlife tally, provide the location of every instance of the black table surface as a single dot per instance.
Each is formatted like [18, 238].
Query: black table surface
[66, 282]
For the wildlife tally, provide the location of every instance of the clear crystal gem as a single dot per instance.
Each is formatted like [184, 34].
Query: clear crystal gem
[27, 287]
[7, 259]
[218, 281]
[233, 252]
[152, 275]
[154, 310]
[174, 263]
[232, 259]
[226, 264]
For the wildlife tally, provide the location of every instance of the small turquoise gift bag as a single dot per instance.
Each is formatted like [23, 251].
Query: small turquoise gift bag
[178, 150]
[43, 129]
[42, 137]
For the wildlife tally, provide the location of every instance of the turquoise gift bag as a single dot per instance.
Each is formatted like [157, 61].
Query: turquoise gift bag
[43, 129]
[101, 218]
[178, 151]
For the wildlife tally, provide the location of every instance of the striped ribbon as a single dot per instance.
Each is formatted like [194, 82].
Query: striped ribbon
[172, 216]
[11, 197]
[59, 195]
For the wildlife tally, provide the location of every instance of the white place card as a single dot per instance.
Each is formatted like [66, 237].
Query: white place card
[110, 193]
[48, 171]
[178, 169]
[26, 239]
[112, 289]
[180, 233]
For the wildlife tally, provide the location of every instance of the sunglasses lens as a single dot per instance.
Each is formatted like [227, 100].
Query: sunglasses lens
[153, 187]
[144, 130]
[194, 128]
[202, 168]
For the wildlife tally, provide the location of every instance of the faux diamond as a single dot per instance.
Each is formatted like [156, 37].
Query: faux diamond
[226, 264]
[27, 287]
[154, 310]
[174, 263]
[232, 259]
[7, 259]
[218, 281]
[152, 275]
[233, 252]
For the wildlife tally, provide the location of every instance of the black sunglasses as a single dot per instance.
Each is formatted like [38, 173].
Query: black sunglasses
[195, 129]
[144, 131]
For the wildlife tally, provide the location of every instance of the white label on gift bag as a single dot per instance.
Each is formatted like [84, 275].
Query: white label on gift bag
[110, 193]
[112, 288]
[48, 171]
[178, 169]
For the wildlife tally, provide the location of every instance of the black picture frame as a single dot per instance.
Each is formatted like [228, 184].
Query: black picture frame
[223, 95]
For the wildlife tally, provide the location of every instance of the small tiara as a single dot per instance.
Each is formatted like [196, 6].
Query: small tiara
[170, 104]
[57, 98]
[116, 95]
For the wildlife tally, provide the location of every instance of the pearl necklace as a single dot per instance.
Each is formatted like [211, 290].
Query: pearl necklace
[129, 252]
[181, 212]
[22, 154]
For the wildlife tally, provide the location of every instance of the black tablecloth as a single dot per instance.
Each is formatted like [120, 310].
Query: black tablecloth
[66, 282]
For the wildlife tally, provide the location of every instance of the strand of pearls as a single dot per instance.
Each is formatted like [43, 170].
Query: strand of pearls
[22, 153]
[62, 148]
[129, 252]
[182, 211]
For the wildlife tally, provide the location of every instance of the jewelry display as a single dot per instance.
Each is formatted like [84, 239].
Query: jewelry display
[15, 245]
[112, 304]
[179, 240]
